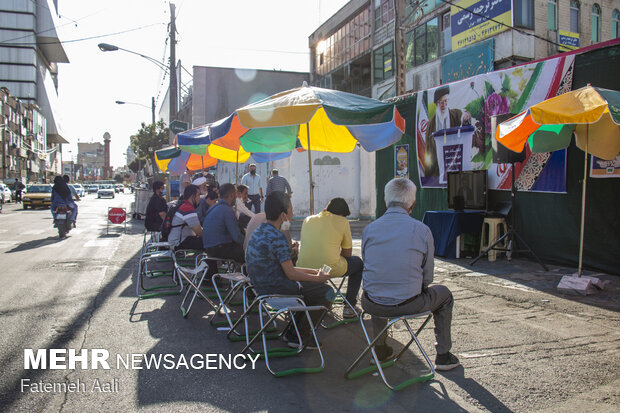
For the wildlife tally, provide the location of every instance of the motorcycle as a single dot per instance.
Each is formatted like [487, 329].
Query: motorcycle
[62, 220]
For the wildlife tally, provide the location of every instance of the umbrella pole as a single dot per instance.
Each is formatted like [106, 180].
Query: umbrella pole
[583, 205]
[237, 169]
[310, 171]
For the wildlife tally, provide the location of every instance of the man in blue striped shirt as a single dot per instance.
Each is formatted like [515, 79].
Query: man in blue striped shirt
[278, 183]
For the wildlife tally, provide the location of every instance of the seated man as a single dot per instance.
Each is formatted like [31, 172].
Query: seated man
[398, 270]
[221, 236]
[186, 232]
[156, 209]
[272, 272]
[242, 212]
[205, 203]
[326, 239]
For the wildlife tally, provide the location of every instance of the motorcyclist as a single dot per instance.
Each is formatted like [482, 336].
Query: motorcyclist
[74, 197]
[61, 195]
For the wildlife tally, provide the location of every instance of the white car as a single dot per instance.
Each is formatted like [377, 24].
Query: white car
[5, 193]
[79, 189]
[105, 190]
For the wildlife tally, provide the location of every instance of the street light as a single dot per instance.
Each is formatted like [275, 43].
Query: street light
[106, 47]
[120, 102]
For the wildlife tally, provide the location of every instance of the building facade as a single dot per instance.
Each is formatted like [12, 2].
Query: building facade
[30, 51]
[91, 156]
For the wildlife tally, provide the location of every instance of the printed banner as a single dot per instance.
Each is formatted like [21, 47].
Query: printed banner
[474, 60]
[453, 126]
[491, 17]
[600, 168]
[401, 161]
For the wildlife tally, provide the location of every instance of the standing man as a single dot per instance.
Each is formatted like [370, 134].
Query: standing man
[186, 180]
[255, 189]
[398, 269]
[157, 208]
[278, 183]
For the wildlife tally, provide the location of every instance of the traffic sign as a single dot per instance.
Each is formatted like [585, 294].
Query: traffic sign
[177, 126]
[117, 215]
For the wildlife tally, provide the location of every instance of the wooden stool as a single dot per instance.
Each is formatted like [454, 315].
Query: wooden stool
[492, 230]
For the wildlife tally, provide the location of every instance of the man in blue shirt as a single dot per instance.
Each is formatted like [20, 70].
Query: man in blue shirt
[398, 269]
[221, 237]
[269, 264]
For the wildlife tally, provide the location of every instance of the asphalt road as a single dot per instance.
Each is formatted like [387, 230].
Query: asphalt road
[523, 348]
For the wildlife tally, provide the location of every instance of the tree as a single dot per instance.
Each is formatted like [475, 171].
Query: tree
[148, 140]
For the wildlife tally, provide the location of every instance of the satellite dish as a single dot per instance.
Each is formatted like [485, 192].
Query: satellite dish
[106, 136]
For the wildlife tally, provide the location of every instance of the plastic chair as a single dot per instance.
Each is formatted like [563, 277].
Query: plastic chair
[492, 230]
[380, 366]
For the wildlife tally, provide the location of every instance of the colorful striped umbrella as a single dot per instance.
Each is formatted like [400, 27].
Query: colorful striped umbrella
[591, 113]
[319, 119]
[176, 160]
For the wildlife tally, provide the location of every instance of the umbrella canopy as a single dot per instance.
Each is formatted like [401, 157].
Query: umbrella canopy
[176, 160]
[589, 112]
[336, 121]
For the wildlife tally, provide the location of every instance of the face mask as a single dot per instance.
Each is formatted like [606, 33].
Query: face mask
[253, 172]
[286, 226]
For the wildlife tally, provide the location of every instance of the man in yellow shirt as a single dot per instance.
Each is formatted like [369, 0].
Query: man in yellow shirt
[326, 239]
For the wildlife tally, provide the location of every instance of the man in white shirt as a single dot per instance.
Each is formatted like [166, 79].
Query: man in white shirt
[243, 213]
[255, 188]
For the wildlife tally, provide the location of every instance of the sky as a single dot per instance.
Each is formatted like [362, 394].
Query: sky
[267, 34]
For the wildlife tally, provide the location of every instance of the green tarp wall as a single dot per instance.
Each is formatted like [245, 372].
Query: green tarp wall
[549, 223]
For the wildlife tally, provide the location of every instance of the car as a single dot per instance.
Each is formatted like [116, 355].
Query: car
[79, 189]
[37, 195]
[74, 192]
[6, 194]
[119, 188]
[105, 190]
[92, 189]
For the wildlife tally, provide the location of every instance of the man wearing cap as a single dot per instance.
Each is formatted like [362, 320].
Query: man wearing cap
[255, 189]
[278, 183]
[444, 118]
[201, 183]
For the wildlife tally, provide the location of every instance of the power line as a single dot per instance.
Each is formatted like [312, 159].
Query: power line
[85, 38]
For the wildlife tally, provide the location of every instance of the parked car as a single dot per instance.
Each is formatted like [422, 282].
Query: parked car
[38, 195]
[92, 189]
[79, 189]
[105, 190]
[6, 194]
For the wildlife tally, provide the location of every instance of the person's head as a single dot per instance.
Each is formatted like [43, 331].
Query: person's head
[242, 191]
[158, 187]
[212, 198]
[201, 182]
[228, 193]
[338, 206]
[400, 192]
[191, 194]
[213, 188]
[278, 208]
[253, 168]
[66, 178]
[274, 172]
[441, 97]
[58, 180]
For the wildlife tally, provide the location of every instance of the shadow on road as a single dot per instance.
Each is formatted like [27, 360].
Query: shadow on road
[29, 245]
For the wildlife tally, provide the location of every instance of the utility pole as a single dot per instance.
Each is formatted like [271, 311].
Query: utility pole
[173, 70]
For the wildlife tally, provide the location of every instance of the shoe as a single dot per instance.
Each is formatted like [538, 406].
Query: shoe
[348, 312]
[293, 342]
[446, 361]
[384, 353]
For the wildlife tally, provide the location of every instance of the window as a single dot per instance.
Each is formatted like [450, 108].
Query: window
[552, 12]
[384, 12]
[615, 24]
[574, 16]
[384, 62]
[524, 13]
[446, 34]
[422, 43]
[596, 23]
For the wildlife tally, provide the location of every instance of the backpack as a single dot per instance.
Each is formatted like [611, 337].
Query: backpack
[166, 225]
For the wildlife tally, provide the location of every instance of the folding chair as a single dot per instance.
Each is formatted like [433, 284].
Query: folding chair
[380, 366]
[156, 251]
[273, 306]
[194, 278]
[340, 299]
[237, 281]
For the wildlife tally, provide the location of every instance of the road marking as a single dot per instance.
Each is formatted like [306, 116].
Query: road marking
[2, 231]
[34, 232]
[98, 243]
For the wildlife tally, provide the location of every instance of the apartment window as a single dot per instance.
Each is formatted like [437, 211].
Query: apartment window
[422, 43]
[524, 13]
[596, 23]
[446, 34]
[574, 16]
[384, 62]
[552, 13]
[384, 12]
[615, 24]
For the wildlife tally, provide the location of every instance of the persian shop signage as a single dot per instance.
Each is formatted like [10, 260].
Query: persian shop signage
[468, 28]
[568, 41]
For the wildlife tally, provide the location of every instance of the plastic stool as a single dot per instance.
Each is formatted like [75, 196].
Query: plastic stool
[492, 230]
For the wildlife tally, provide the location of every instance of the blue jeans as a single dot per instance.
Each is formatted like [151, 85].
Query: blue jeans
[255, 199]
[355, 267]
